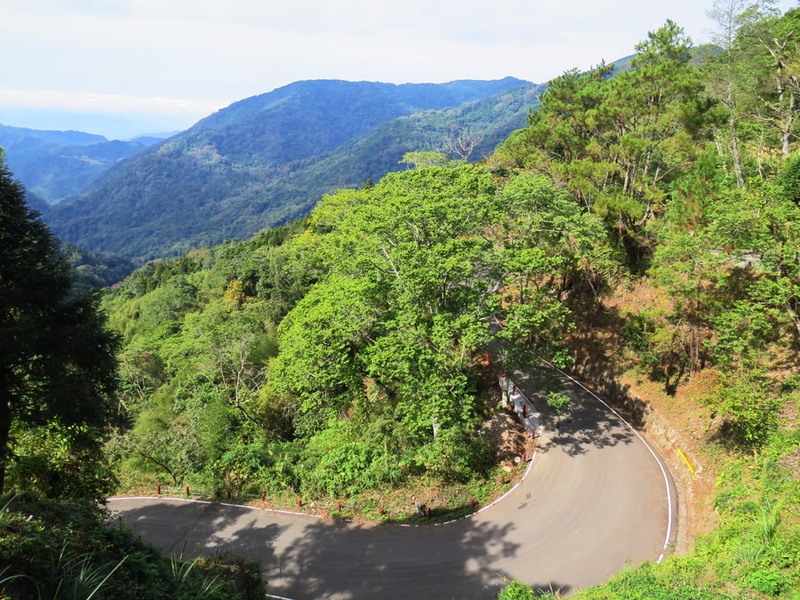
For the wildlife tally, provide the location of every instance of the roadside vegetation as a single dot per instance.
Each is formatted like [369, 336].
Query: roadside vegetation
[65, 550]
[706, 325]
[343, 357]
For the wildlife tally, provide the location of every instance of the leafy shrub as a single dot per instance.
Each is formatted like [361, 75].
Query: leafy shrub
[516, 590]
[749, 410]
[767, 581]
[456, 456]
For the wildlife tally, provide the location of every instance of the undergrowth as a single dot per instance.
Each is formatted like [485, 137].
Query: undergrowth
[51, 550]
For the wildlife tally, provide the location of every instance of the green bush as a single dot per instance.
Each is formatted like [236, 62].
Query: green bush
[516, 590]
[767, 581]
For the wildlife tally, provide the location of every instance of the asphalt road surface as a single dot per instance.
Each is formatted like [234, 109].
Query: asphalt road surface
[595, 499]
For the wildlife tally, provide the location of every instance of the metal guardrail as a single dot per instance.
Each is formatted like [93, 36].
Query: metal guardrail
[530, 418]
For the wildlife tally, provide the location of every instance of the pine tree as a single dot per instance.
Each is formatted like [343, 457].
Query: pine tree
[57, 360]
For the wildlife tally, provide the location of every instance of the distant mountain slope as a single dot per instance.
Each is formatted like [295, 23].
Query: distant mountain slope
[308, 118]
[91, 270]
[264, 160]
[36, 203]
[10, 136]
[380, 151]
[56, 164]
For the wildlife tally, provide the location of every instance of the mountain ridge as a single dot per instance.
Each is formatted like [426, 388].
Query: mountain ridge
[256, 164]
[54, 165]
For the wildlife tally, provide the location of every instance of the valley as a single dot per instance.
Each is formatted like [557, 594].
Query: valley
[293, 316]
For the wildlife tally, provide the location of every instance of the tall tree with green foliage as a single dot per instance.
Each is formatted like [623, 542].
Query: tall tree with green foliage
[550, 248]
[57, 360]
[618, 143]
[778, 41]
[394, 327]
[730, 75]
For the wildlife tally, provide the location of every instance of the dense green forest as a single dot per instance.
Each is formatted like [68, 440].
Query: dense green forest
[345, 353]
[268, 159]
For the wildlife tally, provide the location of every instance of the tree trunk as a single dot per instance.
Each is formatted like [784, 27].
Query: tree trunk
[735, 156]
[5, 428]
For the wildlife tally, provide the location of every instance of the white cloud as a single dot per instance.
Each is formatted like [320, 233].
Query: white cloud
[132, 52]
[86, 102]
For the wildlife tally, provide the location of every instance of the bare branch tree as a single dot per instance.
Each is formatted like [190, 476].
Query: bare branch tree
[462, 143]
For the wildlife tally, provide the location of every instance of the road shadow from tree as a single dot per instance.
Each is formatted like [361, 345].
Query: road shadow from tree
[586, 424]
[315, 559]
[205, 529]
[337, 560]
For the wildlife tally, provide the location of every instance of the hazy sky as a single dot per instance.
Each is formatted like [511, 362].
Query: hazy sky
[125, 67]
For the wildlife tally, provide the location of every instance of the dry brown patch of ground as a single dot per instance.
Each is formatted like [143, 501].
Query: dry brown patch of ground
[504, 436]
[600, 340]
[692, 421]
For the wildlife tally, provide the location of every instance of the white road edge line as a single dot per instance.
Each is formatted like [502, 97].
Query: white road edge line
[299, 514]
[670, 516]
[530, 464]
[247, 506]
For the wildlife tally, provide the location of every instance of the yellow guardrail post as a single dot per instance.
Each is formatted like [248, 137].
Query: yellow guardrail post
[686, 460]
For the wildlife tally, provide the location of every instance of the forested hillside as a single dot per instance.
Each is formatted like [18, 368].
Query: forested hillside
[342, 353]
[268, 159]
[53, 165]
[650, 219]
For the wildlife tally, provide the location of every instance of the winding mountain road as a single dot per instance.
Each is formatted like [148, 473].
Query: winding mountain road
[595, 499]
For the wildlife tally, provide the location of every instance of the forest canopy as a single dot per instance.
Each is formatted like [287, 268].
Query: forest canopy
[345, 353]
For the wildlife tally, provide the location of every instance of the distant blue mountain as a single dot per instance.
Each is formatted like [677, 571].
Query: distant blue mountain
[56, 164]
[270, 158]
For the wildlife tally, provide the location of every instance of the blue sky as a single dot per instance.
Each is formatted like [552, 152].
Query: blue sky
[127, 67]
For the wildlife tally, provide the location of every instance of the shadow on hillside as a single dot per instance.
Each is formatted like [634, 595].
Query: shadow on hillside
[311, 559]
